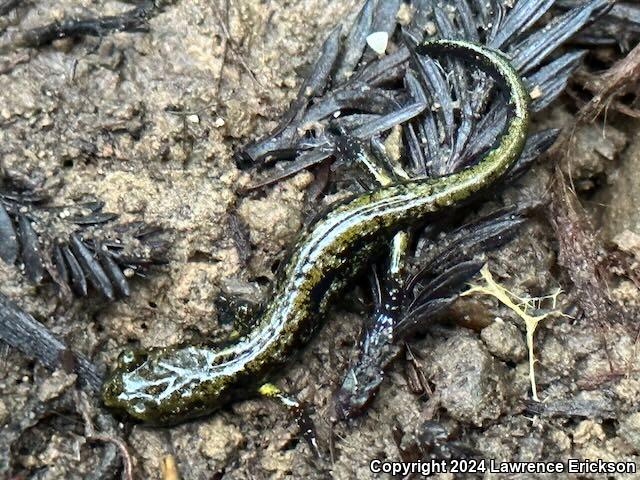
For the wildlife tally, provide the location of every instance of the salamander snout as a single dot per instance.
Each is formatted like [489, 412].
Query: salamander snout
[165, 385]
[118, 392]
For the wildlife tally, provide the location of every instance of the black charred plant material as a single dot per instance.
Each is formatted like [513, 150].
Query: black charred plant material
[445, 128]
[8, 5]
[620, 26]
[22, 331]
[132, 20]
[79, 247]
[448, 116]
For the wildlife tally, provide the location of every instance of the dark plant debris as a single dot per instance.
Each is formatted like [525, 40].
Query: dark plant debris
[22, 331]
[437, 276]
[580, 252]
[621, 80]
[620, 25]
[7, 6]
[77, 246]
[133, 20]
[573, 407]
[395, 89]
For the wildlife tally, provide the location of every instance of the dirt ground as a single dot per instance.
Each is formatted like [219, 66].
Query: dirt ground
[148, 122]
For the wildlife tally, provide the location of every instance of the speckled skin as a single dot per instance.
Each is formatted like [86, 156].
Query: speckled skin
[169, 385]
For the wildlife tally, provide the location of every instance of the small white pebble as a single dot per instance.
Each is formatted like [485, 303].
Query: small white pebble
[378, 42]
[193, 118]
[128, 272]
[536, 92]
[218, 123]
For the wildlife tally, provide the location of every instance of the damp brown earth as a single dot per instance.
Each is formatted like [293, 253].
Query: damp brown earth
[148, 122]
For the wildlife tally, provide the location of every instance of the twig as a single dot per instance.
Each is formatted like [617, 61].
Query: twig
[168, 468]
[22, 331]
[134, 20]
[619, 78]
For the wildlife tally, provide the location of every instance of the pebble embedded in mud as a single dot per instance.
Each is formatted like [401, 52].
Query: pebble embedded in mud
[149, 446]
[555, 358]
[4, 413]
[621, 195]
[586, 431]
[473, 386]
[55, 384]
[629, 430]
[219, 440]
[504, 340]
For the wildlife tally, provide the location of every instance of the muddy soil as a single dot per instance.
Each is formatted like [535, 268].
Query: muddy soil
[148, 122]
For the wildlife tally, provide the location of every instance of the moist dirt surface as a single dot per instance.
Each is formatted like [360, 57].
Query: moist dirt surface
[148, 122]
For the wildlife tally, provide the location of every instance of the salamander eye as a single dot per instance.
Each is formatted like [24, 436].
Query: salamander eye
[129, 358]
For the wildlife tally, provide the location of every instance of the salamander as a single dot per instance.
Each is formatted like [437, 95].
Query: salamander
[171, 384]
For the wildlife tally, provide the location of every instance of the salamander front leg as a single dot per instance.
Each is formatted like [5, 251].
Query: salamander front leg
[239, 311]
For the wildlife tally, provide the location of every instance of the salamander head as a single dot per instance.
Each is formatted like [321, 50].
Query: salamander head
[163, 386]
